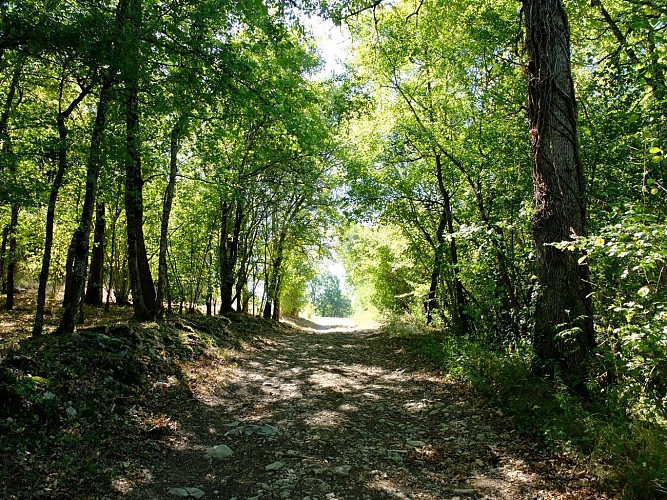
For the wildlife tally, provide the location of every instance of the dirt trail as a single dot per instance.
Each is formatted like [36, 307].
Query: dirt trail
[337, 412]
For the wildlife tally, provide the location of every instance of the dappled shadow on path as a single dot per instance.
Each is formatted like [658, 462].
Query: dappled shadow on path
[333, 412]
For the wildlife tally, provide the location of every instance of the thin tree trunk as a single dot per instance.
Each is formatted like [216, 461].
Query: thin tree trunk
[245, 250]
[200, 274]
[50, 217]
[95, 286]
[461, 316]
[11, 264]
[8, 159]
[112, 255]
[69, 273]
[3, 257]
[564, 335]
[166, 212]
[80, 239]
[271, 309]
[51, 208]
[228, 253]
[179, 284]
[655, 76]
[432, 300]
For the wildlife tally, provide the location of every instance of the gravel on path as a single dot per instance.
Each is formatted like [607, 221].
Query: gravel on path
[337, 412]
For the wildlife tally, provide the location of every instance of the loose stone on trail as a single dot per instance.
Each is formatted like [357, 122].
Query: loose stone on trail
[220, 451]
[187, 492]
[275, 465]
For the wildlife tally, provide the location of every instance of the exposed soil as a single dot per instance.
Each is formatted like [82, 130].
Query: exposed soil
[332, 411]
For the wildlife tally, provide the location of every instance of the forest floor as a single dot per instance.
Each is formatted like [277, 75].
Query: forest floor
[254, 409]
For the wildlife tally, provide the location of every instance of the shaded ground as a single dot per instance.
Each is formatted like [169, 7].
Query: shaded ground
[334, 412]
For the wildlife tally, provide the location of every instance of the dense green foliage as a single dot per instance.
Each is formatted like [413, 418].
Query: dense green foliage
[444, 131]
[230, 120]
[326, 295]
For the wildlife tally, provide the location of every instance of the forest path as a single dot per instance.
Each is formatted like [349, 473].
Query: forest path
[337, 412]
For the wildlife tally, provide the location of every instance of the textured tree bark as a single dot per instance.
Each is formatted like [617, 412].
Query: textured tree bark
[141, 281]
[564, 334]
[80, 239]
[95, 286]
[143, 289]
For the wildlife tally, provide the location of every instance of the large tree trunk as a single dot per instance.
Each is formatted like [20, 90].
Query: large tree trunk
[141, 281]
[95, 286]
[564, 334]
[80, 240]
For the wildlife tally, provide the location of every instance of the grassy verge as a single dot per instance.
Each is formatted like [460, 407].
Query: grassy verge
[629, 456]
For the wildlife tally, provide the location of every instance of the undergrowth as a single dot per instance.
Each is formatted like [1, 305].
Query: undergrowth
[73, 408]
[628, 455]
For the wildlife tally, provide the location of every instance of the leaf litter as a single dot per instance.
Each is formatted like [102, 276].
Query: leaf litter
[132, 410]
